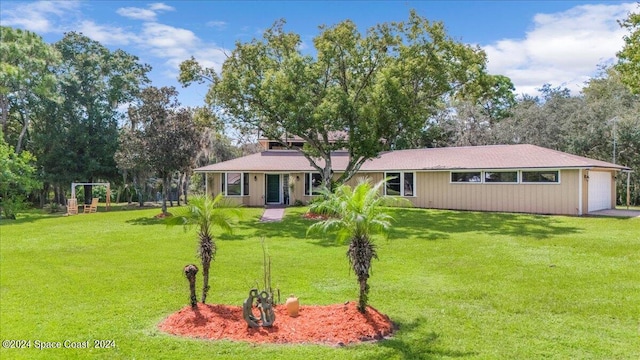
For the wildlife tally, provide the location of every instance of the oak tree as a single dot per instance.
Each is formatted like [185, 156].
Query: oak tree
[359, 92]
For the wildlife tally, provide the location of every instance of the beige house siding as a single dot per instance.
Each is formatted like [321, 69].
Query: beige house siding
[297, 179]
[434, 190]
[256, 190]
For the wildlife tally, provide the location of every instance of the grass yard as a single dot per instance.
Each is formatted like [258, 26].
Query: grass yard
[458, 284]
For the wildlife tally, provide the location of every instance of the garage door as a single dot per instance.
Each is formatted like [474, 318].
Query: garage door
[599, 190]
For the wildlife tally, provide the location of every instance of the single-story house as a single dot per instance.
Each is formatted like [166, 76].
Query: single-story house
[505, 178]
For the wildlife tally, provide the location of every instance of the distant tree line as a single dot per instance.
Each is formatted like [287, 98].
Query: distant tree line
[61, 111]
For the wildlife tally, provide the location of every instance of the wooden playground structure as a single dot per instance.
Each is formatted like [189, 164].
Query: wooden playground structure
[72, 203]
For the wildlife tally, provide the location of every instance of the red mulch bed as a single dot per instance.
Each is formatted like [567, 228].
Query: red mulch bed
[337, 325]
[312, 216]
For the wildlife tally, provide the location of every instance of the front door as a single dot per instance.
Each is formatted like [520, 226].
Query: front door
[273, 188]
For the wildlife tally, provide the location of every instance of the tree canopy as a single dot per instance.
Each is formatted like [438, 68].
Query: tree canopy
[629, 56]
[26, 77]
[361, 93]
[77, 138]
[162, 137]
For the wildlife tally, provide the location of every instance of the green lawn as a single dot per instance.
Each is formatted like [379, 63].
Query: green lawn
[459, 285]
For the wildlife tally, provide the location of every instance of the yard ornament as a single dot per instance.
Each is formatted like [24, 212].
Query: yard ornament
[264, 303]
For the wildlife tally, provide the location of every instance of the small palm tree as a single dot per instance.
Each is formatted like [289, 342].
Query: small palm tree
[357, 215]
[206, 213]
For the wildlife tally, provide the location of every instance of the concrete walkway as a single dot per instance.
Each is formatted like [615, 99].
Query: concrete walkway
[273, 213]
[617, 213]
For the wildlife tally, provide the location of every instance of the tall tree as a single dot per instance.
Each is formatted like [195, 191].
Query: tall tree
[629, 57]
[168, 134]
[361, 92]
[94, 82]
[540, 120]
[132, 158]
[611, 130]
[26, 78]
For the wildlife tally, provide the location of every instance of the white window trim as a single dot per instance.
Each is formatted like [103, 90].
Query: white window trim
[386, 174]
[226, 184]
[499, 182]
[309, 177]
[466, 182]
[541, 183]
[520, 177]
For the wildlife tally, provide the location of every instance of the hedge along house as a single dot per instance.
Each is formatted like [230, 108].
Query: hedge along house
[504, 178]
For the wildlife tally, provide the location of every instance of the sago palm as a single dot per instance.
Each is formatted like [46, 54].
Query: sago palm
[206, 213]
[355, 215]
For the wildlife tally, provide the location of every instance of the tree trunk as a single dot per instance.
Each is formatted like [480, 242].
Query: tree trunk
[190, 272]
[23, 132]
[361, 252]
[88, 194]
[186, 187]
[179, 187]
[136, 186]
[4, 106]
[62, 198]
[205, 281]
[165, 191]
[207, 252]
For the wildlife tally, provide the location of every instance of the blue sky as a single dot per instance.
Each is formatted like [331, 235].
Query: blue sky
[532, 42]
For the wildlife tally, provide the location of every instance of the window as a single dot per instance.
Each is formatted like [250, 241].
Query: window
[234, 184]
[501, 176]
[393, 185]
[400, 184]
[469, 176]
[312, 183]
[245, 184]
[408, 184]
[540, 177]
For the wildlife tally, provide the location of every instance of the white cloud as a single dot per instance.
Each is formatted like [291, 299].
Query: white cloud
[137, 13]
[563, 49]
[107, 35]
[161, 7]
[217, 24]
[148, 14]
[163, 38]
[175, 45]
[37, 16]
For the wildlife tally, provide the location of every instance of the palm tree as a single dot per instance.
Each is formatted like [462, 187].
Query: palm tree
[357, 215]
[206, 213]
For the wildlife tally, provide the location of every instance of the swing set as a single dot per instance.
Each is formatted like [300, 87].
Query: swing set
[72, 203]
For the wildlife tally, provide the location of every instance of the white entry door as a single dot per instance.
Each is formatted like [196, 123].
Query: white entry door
[599, 190]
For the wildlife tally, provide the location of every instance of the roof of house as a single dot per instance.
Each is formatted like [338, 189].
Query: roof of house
[451, 158]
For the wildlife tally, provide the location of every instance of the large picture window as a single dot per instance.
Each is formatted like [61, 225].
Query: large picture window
[234, 184]
[312, 184]
[541, 176]
[400, 184]
[501, 176]
[466, 176]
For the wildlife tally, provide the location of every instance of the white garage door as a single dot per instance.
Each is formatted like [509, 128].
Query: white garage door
[599, 190]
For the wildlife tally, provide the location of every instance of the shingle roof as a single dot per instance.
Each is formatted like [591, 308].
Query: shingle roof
[451, 158]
